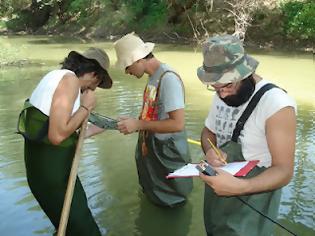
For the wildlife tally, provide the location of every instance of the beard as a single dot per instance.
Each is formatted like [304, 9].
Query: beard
[244, 92]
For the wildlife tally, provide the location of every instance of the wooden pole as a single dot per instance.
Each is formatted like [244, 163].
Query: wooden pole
[71, 182]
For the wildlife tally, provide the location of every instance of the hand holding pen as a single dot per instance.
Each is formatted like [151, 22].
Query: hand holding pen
[214, 156]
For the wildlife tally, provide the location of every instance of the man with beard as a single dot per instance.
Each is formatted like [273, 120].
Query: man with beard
[249, 119]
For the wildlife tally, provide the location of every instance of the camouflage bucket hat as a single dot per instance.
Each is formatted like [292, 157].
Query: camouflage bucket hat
[225, 61]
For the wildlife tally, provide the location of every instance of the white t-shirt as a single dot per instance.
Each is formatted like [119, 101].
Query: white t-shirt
[41, 97]
[222, 119]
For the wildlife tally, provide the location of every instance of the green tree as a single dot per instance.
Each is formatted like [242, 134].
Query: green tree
[8, 7]
[299, 19]
[145, 14]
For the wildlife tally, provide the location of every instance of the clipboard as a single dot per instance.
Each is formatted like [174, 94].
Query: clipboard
[238, 169]
[102, 121]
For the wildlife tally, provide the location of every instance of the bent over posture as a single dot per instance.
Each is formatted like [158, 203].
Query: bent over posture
[57, 107]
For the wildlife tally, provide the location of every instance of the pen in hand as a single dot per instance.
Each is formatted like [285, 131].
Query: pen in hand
[217, 151]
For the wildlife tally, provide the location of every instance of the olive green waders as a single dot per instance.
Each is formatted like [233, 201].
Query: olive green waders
[228, 216]
[163, 157]
[47, 169]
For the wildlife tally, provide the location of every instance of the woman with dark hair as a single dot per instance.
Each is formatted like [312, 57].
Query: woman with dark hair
[56, 109]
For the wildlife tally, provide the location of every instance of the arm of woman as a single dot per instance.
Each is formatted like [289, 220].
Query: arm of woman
[61, 121]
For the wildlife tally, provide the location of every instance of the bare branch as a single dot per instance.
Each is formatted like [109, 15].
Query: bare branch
[242, 11]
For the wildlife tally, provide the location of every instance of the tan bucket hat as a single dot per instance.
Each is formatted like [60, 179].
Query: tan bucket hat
[102, 59]
[130, 48]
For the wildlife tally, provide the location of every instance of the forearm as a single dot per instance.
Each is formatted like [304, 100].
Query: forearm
[205, 135]
[175, 123]
[272, 178]
[57, 135]
[76, 120]
[161, 126]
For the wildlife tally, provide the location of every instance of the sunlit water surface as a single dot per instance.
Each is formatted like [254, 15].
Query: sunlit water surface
[107, 167]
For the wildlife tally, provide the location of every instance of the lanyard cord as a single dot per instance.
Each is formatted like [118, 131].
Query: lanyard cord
[247, 204]
[267, 217]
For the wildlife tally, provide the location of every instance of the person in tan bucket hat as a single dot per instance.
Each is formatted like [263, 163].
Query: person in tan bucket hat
[162, 144]
[249, 119]
[62, 100]
[130, 49]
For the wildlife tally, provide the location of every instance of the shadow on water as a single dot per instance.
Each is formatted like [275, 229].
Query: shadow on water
[173, 221]
[107, 167]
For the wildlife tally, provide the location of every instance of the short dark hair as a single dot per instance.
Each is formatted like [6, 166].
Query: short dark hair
[81, 65]
[149, 56]
[251, 79]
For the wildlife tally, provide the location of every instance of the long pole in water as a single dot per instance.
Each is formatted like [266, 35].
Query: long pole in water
[71, 182]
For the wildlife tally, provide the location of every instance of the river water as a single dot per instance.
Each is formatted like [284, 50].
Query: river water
[107, 167]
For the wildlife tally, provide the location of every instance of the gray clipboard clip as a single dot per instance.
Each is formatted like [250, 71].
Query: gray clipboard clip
[102, 121]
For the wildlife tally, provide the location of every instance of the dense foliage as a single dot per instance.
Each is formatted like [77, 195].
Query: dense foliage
[299, 19]
[291, 20]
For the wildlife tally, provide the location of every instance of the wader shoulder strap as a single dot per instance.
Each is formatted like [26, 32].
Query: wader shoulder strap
[249, 109]
[158, 88]
[162, 76]
[144, 133]
[21, 129]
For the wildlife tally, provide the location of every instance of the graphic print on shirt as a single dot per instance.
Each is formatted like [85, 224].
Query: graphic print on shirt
[226, 118]
[149, 111]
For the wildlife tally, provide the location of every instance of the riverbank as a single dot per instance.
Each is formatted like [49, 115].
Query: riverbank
[164, 38]
[271, 24]
[116, 200]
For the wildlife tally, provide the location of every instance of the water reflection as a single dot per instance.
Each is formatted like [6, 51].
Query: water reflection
[172, 221]
[297, 203]
[107, 168]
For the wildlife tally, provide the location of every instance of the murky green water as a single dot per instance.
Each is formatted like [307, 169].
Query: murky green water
[107, 168]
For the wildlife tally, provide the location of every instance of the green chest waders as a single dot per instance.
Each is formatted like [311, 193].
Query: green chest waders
[47, 170]
[228, 216]
[163, 157]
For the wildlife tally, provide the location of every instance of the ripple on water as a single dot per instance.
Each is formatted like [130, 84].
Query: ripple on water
[107, 168]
